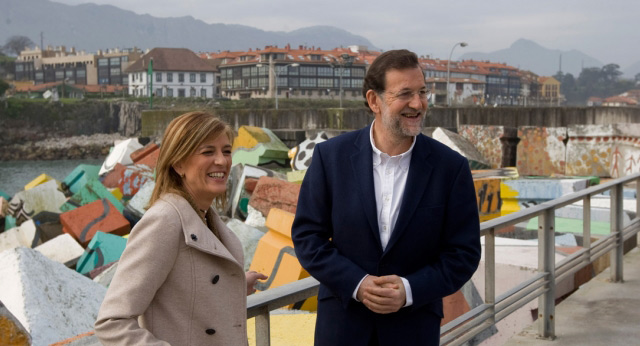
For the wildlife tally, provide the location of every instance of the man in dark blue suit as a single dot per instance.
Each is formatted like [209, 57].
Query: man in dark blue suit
[387, 219]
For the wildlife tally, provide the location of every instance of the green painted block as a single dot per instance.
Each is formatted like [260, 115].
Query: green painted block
[296, 176]
[259, 156]
[103, 249]
[9, 222]
[4, 194]
[92, 190]
[567, 225]
[80, 176]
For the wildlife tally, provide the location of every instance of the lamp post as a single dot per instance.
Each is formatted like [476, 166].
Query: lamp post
[462, 44]
[275, 72]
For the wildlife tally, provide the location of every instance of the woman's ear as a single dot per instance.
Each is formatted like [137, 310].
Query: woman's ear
[178, 168]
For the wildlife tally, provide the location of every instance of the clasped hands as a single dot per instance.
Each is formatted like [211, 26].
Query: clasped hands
[382, 294]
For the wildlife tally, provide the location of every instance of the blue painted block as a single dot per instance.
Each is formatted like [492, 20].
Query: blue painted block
[103, 249]
[92, 190]
[80, 176]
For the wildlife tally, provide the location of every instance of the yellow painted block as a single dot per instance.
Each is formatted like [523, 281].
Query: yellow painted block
[509, 200]
[116, 192]
[286, 329]
[42, 178]
[12, 334]
[249, 136]
[296, 176]
[276, 258]
[488, 197]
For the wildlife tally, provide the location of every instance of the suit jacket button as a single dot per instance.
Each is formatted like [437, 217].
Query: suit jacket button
[194, 237]
[215, 279]
[211, 331]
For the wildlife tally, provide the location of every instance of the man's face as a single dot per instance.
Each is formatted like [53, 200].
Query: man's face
[403, 105]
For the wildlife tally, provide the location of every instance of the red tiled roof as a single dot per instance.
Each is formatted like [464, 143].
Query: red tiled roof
[621, 99]
[171, 59]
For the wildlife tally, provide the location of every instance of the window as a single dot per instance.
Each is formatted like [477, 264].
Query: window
[308, 70]
[114, 61]
[180, 80]
[115, 71]
[325, 82]
[181, 92]
[159, 92]
[81, 73]
[356, 83]
[192, 91]
[203, 93]
[169, 92]
[158, 76]
[39, 76]
[19, 67]
[307, 82]
[246, 71]
[169, 76]
[282, 81]
[203, 77]
[59, 75]
[103, 62]
[68, 74]
[357, 72]
[192, 77]
[325, 71]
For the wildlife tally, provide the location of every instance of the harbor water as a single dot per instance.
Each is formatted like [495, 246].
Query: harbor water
[14, 175]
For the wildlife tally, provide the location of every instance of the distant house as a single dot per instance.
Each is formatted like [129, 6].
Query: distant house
[549, 91]
[594, 101]
[619, 101]
[177, 72]
[66, 90]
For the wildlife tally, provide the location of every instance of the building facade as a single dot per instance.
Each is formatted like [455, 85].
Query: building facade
[175, 72]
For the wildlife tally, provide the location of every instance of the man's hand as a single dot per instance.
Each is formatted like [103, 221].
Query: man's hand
[382, 294]
[252, 277]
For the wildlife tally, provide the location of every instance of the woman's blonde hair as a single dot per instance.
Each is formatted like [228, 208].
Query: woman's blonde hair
[181, 139]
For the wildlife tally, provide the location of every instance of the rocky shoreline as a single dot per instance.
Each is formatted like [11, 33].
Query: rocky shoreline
[67, 148]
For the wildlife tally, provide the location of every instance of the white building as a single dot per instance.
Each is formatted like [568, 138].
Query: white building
[176, 72]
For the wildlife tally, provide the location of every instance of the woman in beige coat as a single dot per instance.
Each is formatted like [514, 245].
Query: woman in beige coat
[180, 280]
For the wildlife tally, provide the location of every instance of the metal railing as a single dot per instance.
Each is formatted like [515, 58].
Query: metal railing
[542, 285]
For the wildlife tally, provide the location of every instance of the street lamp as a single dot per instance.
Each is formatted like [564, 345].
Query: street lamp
[462, 44]
[346, 61]
[275, 72]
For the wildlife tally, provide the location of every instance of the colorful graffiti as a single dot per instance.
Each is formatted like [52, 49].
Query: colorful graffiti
[541, 150]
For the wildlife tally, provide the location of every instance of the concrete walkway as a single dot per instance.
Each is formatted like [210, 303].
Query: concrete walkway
[598, 313]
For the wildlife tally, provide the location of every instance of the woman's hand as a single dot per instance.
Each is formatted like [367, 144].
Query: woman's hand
[252, 277]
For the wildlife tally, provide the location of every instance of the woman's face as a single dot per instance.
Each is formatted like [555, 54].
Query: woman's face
[206, 170]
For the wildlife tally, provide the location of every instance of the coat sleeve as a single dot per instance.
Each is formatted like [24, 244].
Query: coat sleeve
[312, 231]
[460, 249]
[151, 251]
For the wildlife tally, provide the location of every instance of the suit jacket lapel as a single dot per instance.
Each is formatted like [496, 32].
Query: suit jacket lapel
[415, 188]
[362, 165]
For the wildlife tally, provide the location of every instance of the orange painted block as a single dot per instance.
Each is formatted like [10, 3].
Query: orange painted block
[82, 223]
[453, 307]
[148, 155]
[276, 258]
[112, 178]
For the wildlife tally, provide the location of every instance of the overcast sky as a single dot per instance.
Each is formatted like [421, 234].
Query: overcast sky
[606, 30]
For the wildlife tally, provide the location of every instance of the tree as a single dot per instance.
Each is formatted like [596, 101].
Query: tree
[16, 44]
[3, 87]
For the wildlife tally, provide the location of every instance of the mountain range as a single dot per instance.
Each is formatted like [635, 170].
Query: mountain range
[90, 27]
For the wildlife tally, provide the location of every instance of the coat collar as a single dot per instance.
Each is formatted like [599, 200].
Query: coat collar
[199, 236]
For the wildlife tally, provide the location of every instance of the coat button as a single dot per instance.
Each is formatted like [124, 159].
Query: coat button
[194, 237]
[211, 331]
[215, 279]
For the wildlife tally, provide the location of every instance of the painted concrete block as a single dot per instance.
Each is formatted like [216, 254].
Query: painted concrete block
[120, 153]
[304, 151]
[4, 206]
[84, 339]
[276, 258]
[249, 237]
[12, 333]
[103, 249]
[541, 150]
[105, 277]
[83, 222]
[48, 225]
[488, 197]
[93, 190]
[22, 235]
[462, 146]
[147, 155]
[239, 174]
[607, 150]
[497, 144]
[42, 178]
[296, 176]
[111, 178]
[44, 197]
[255, 219]
[138, 204]
[116, 193]
[62, 249]
[517, 194]
[258, 146]
[275, 193]
[132, 179]
[51, 301]
[78, 178]
[9, 222]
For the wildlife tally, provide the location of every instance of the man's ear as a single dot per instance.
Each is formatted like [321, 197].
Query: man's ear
[372, 99]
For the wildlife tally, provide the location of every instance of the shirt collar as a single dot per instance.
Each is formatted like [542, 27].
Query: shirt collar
[378, 156]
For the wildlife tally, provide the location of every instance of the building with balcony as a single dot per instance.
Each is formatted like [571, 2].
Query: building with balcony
[291, 73]
[175, 72]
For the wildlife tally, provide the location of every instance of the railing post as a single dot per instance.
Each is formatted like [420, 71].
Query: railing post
[263, 328]
[586, 227]
[616, 228]
[490, 272]
[546, 264]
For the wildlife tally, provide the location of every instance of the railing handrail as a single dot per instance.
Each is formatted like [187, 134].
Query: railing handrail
[541, 285]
